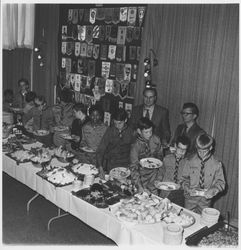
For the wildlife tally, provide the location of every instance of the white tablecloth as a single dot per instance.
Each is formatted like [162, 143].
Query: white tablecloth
[100, 219]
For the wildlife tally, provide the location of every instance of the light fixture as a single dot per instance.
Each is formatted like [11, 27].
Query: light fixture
[147, 73]
[36, 49]
[41, 64]
[39, 57]
[146, 61]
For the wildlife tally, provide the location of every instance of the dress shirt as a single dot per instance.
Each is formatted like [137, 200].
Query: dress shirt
[150, 109]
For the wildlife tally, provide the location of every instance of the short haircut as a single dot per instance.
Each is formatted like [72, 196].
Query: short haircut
[30, 96]
[120, 115]
[96, 108]
[150, 89]
[145, 123]
[40, 98]
[192, 106]
[184, 140]
[23, 80]
[66, 96]
[204, 141]
[8, 92]
[80, 107]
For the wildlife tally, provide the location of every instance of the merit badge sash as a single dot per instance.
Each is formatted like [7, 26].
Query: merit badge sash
[121, 37]
[77, 49]
[123, 14]
[112, 51]
[105, 70]
[96, 51]
[131, 19]
[92, 15]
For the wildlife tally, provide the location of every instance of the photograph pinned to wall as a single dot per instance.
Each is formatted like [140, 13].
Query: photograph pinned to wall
[108, 86]
[107, 118]
[116, 88]
[123, 89]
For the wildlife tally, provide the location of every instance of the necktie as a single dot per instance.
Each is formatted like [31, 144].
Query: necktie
[201, 180]
[147, 114]
[176, 170]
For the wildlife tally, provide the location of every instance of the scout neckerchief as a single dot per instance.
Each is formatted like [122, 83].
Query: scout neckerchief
[203, 161]
[176, 169]
[146, 144]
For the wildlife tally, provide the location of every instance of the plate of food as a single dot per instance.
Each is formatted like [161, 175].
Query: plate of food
[21, 156]
[119, 173]
[151, 163]
[63, 154]
[166, 185]
[198, 192]
[66, 136]
[87, 149]
[85, 169]
[41, 132]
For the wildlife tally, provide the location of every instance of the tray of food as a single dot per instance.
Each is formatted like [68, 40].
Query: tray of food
[219, 235]
[41, 155]
[63, 154]
[119, 173]
[85, 169]
[100, 195]
[59, 177]
[151, 163]
[141, 209]
[166, 185]
[21, 156]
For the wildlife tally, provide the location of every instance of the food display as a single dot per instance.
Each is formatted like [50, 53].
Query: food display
[168, 186]
[66, 136]
[142, 209]
[41, 132]
[150, 163]
[183, 219]
[101, 195]
[60, 128]
[21, 155]
[221, 238]
[61, 153]
[60, 176]
[85, 169]
[119, 173]
[41, 155]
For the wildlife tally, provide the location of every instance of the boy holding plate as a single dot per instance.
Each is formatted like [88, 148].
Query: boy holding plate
[203, 176]
[146, 145]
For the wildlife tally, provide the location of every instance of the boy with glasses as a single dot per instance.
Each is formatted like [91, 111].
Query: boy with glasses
[202, 176]
[189, 127]
[173, 165]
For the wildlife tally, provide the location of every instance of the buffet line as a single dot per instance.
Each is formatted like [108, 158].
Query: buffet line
[110, 206]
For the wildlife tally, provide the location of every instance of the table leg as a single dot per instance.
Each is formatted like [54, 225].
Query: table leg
[56, 217]
[28, 203]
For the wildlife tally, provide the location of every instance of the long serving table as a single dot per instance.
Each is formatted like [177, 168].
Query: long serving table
[100, 219]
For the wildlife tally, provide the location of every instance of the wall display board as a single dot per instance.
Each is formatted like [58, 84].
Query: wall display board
[99, 52]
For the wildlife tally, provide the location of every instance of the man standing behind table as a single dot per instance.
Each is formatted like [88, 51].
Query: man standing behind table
[19, 100]
[189, 127]
[157, 114]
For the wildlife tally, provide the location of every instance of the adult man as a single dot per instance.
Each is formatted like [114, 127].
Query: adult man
[157, 114]
[173, 164]
[23, 86]
[189, 127]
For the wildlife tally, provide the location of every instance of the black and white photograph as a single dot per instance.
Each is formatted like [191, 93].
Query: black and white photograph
[120, 124]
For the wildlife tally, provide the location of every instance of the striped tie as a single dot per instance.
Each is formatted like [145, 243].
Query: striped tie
[201, 180]
[147, 114]
[176, 170]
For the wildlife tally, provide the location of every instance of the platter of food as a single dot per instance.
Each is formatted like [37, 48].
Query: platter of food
[99, 195]
[60, 128]
[41, 132]
[141, 209]
[66, 136]
[167, 186]
[119, 173]
[63, 154]
[85, 169]
[198, 192]
[21, 156]
[87, 149]
[59, 177]
[151, 163]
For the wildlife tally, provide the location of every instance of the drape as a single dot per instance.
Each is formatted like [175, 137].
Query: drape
[46, 38]
[197, 50]
[18, 26]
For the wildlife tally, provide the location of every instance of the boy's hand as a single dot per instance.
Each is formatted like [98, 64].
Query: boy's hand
[210, 193]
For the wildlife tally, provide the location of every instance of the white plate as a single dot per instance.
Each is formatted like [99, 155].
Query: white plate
[87, 149]
[150, 163]
[85, 169]
[41, 132]
[119, 173]
[168, 186]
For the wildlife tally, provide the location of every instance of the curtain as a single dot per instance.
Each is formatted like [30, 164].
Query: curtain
[15, 65]
[46, 38]
[197, 51]
[18, 26]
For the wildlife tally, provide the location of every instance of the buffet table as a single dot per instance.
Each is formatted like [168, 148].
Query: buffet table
[102, 220]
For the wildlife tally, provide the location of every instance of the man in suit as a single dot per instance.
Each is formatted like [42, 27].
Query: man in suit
[157, 114]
